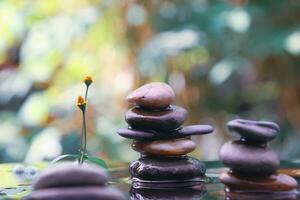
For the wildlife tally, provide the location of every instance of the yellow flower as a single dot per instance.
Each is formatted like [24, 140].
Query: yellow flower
[88, 80]
[81, 103]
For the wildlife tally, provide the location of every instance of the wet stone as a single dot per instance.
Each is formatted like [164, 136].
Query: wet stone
[172, 147]
[139, 134]
[147, 135]
[167, 184]
[153, 96]
[72, 181]
[254, 131]
[156, 168]
[275, 182]
[63, 175]
[166, 120]
[249, 159]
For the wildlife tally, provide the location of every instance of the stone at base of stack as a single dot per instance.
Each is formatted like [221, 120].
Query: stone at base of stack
[253, 165]
[166, 172]
[156, 128]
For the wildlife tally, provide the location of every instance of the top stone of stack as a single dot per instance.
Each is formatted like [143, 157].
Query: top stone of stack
[153, 96]
[254, 131]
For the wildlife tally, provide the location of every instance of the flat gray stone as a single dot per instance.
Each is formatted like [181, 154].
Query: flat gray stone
[254, 131]
[68, 175]
[166, 120]
[249, 159]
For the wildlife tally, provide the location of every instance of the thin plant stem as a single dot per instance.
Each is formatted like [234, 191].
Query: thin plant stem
[86, 93]
[83, 140]
[84, 135]
[81, 151]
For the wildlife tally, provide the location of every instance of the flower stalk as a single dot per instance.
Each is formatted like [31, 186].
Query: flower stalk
[83, 156]
[82, 104]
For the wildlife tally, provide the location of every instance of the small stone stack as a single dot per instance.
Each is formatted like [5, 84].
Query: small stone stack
[73, 182]
[252, 164]
[156, 128]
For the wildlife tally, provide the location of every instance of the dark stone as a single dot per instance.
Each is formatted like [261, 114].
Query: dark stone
[152, 96]
[166, 120]
[68, 175]
[77, 193]
[167, 184]
[154, 168]
[171, 147]
[254, 131]
[167, 194]
[249, 159]
[275, 182]
[148, 135]
[157, 135]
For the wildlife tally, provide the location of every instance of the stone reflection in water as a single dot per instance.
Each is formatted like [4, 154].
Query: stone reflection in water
[185, 193]
[261, 196]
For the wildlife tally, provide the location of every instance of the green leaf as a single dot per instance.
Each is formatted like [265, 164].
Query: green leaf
[63, 157]
[91, 159]
[97, 161]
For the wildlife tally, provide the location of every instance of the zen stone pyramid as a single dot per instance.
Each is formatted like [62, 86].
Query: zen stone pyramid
[157, 132]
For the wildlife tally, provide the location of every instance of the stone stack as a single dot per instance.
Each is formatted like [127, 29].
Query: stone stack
[73, 182]
[253, 166]
[156, 128]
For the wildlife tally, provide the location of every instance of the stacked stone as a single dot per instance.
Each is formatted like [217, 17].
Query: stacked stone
[73, 181]
[156, 128]
[253, 166]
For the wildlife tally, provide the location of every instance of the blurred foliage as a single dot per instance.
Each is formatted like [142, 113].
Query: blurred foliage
[224, 59]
